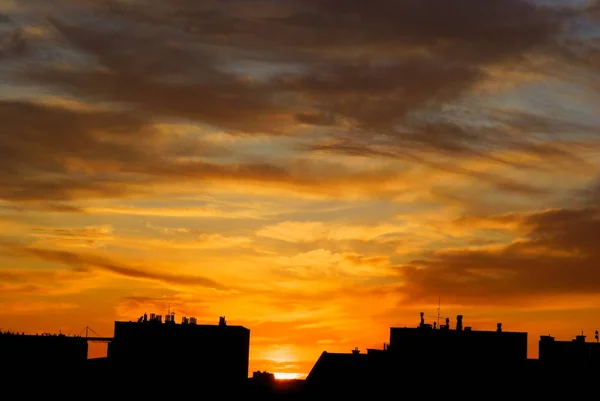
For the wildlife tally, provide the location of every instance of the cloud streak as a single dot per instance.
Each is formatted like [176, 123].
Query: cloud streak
[82, 262]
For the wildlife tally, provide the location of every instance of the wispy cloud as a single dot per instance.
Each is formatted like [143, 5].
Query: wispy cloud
[80, 261]
[312, 231]
[93, 236]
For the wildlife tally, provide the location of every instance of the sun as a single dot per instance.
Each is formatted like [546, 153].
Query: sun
[287, 376]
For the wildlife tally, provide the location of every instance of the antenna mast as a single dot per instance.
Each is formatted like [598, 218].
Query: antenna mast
[438, 317]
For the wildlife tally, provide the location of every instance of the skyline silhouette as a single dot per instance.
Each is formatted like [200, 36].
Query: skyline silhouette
[184, 358]
[317, 171]
[155, 346]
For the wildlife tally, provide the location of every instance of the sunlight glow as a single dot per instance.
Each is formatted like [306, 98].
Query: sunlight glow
[287, 376]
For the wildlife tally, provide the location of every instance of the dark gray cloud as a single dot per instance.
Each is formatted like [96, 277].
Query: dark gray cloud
[51, 152]
[557, 256]
[57, 154]
[402, 55]
[370, 77]
[12, 42]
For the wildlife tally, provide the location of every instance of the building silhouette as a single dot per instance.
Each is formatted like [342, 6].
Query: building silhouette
[416, 352]
[42, 350]
[433, 358]
[209, 353]
[576, 354]
[462, 345]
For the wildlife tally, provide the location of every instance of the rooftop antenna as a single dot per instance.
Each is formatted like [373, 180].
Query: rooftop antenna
[438, 309]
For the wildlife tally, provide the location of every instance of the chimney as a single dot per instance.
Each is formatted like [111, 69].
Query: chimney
[459, 325]
[499, 327]
[355, 351]
[447, 327]
[580, 339]
[222, 321]
[422, 319]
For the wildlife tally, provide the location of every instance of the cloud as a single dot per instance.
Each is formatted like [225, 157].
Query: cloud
[202, 241]
[510, 222]
[557, 256]
[181, 237]
[63, 148]
[41, 282]
[312, 231]
[25, 275]
[65, 154]
[83, 262]
[91, 236]
[206, 212]
[420, 53]
[322, 264]
[219, 98]
[13, 41]
[383, 93]
[27, 289]
[35, 308]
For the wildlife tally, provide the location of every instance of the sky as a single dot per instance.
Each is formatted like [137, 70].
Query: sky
[316, 171]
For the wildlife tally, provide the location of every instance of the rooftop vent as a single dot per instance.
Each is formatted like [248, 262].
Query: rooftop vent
[459, 323]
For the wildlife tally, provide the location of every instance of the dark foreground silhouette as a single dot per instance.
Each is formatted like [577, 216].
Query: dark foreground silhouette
[150, 358]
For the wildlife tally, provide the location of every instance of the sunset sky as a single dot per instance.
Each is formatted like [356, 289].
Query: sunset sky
[316, 171]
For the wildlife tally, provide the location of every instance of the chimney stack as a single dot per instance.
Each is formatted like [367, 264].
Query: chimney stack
[459, 325]
[422, 319]
[499, 327]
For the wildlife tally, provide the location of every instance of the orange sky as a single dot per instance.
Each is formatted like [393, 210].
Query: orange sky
[314, 171]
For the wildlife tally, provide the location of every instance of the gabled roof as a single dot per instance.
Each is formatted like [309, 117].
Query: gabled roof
[334, 366]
